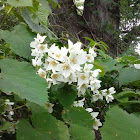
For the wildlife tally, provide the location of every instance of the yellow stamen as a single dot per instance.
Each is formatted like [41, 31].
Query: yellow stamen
[83, 77]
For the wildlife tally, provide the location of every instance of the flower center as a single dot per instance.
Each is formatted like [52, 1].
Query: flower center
[83, 77]
[73, 60]
[57, 55]
[95, 123]
[55, 76]
[42, 74]
[42, 47]
[88, 57]
[53, 63]
[65, 67]
[48, 105]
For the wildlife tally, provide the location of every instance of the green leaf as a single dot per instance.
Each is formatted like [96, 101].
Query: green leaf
[21, 78]
[31, 24]
[108, 64]
[66, 95]
[80, 122]
[128, 75]
[44, 127]
[20, 3]
[19, 39]
[126, 93]
[5, 125]
[119, 125]
[26, 132]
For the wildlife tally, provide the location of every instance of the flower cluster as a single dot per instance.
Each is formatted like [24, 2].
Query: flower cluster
[70, 65]
[8, 113]
[137, 50]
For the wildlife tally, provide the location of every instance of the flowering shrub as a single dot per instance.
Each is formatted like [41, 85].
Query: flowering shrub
[50, 90]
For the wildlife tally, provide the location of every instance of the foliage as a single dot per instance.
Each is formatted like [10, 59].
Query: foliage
[33, 105]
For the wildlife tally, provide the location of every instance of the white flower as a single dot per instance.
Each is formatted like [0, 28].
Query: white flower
[74, 47]
[90, 58]
[41, 73]
[37, 61]
[43, 48]
[49, 82]
[88, 67]
[95, 85]
[71, 79]
[89, 110]
[74, 62]
[92, 52]
[56, 78]
[7, 102]
[96, 124]
[65, 69]
[34, 44]
[96, 97]
[50, 107]
[137, 66]
[95, 73]
[36, 53]
[83, 78]
[109, 98]
[52, 64]
[79, 103]
[40, 38]
[81, 89]
[112, 90]
[94, 114]
[104, 92]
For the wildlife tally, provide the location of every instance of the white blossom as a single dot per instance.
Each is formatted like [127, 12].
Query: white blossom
[79, 103]
[96, 124]
[49, 107]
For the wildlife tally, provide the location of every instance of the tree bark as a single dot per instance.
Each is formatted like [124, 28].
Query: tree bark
[100, 21]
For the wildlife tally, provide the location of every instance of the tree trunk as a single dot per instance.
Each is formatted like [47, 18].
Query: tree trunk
[100, 21]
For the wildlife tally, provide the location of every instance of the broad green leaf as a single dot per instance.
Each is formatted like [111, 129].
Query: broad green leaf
[21, 78]
[20, 3]
[80, 122]
[128, 75]
[44, 127]
[81, 133]
[31, 24]
[126, 93]
[108, 64]
[119, 125]
[66, 95]
[19, 39]
[26, 132]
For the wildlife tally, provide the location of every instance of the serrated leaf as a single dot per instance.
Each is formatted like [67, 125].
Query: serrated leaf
[108, 64]
[128, 75]
[80, 122]
[20, 3]
[66, 95]
[119, 125]
[19, 40]
[44, 127]
[21, 78]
